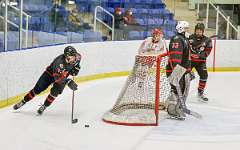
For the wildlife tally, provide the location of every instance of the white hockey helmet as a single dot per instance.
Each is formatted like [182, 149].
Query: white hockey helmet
[182, 26]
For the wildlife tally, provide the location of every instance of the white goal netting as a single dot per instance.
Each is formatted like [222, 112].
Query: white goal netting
[143, 94]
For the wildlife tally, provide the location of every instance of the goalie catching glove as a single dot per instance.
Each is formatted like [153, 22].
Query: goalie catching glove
[72, 85]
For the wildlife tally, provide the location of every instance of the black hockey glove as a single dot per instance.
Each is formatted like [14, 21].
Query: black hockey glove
[72, 85]
[75, 70]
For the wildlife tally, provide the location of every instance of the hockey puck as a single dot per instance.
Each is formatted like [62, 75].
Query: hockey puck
[86, 125]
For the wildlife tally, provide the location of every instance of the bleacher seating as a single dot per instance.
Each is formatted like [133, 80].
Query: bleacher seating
[149, 14]
[134, 35]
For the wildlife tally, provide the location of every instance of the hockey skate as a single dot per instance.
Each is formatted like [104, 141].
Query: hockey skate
[19, 105]
[175, 112]
[202, 97]
[41, 109]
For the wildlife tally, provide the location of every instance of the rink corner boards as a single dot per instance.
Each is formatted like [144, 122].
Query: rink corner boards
[12, 100]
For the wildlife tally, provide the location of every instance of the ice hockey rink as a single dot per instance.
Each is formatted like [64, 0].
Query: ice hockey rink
[219, 129]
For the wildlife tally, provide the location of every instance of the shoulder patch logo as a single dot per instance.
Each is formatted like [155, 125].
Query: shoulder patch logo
[61, 66]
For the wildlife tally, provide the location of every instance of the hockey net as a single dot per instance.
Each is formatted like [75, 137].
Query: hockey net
[143, 94]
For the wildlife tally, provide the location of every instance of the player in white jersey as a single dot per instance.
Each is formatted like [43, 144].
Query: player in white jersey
[153, 44]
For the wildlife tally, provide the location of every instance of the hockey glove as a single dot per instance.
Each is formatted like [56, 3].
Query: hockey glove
[75, 70]
[72, 85]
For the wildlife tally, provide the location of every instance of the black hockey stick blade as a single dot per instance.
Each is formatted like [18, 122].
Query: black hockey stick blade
[74, 121]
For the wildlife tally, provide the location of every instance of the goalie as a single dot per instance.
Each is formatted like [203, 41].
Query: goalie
[178, 69]
[153, 44]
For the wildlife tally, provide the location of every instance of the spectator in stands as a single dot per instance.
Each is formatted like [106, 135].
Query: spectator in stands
[129, 19]
[76, 23]
[118, 19]
[129, 24]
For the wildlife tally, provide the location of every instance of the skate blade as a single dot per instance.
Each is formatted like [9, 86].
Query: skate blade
[38, 114]
[175, 118]
[16, 111]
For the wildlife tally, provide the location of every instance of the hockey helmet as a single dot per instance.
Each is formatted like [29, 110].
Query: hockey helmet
[156, 31]
[182, 26]
[70, 51]
[200, 26]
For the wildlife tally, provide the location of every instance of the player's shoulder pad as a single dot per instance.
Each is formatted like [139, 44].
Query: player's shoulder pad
[176, 37]
[191, 36]
[59, 59]
[207, 39]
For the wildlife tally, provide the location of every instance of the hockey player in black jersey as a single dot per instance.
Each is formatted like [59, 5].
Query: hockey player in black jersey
[179, 55]
[201, 47]
[56, 74]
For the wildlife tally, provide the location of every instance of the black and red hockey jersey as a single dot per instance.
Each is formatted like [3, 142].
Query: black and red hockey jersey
[179, 53]
[200, 48]
[60, 70]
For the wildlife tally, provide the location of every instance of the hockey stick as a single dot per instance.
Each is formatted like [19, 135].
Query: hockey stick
[213, 36]
[174, 79]
[73, 120]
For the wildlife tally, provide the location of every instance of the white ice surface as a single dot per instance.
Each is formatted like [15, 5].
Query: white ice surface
[218, 130]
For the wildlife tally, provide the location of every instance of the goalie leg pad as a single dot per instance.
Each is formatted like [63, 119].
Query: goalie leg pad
[173, 106]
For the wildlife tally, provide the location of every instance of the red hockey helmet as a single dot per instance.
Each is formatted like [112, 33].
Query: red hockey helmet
[156, 31]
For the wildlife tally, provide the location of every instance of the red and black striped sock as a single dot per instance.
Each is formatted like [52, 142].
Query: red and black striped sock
[49, 100]
[201, 86]
[29, 96]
